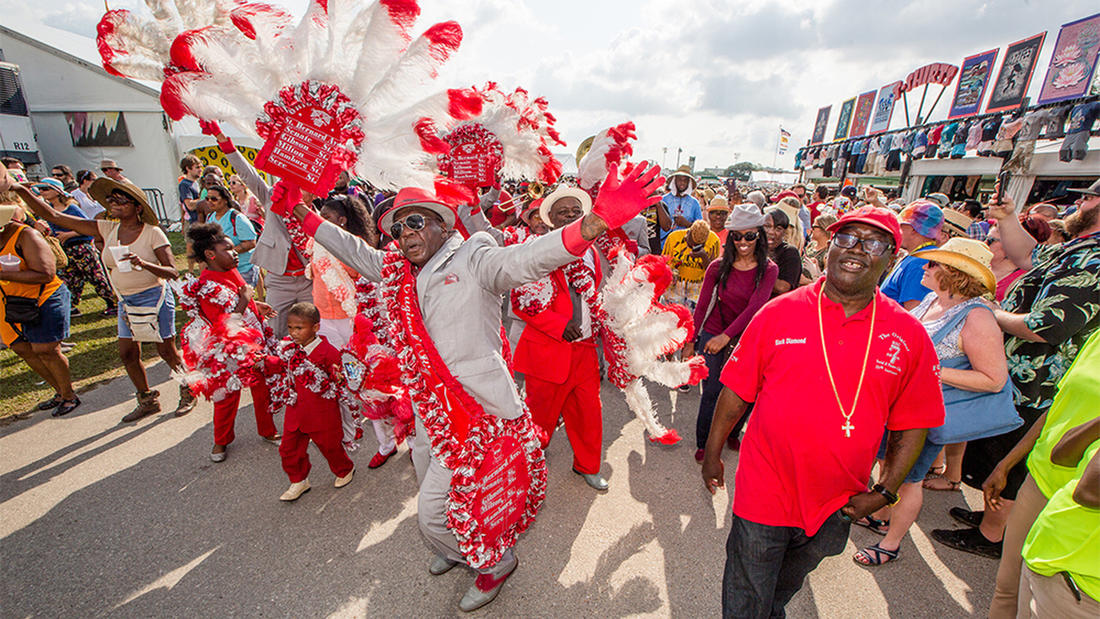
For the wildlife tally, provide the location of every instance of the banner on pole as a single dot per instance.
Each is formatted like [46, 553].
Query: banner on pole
[844, 120]
[1073, 61]
[820, 124]
[784, 141]
[884, 107]
[973, 79]
[1014, 78]
[865, 106]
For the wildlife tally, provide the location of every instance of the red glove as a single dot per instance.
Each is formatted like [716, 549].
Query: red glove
[284, 197]
[214, 130]
[620, 200]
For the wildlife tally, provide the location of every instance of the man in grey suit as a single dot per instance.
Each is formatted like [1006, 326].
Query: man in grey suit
[459, 285]
[286, 280]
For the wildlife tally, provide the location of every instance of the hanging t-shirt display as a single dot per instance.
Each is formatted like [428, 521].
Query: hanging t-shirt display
[1081, 120]
[947, 138]
[1056, 125]
[1002, 145]
[989, 133]
[974, 136]
[933, 141]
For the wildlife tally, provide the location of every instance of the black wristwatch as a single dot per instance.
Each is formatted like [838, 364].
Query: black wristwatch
[891, 498]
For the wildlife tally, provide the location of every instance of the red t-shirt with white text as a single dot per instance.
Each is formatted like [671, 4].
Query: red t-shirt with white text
[796, 465]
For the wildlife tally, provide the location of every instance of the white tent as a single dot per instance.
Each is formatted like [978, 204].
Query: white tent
[783, 178]
[65, 87]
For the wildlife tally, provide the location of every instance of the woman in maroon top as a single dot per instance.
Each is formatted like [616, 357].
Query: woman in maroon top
[734, 288]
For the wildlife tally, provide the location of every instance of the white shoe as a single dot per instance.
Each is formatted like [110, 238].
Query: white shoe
[295, 490]
[345, 480]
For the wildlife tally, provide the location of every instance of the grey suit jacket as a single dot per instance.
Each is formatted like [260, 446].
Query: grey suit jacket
[460, 291]
[273, 246]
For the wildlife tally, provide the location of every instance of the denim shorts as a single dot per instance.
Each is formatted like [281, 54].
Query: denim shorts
[166, 318]
[924, 461]
[53, 325]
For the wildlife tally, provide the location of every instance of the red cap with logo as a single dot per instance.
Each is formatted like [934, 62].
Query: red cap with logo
[876, 216]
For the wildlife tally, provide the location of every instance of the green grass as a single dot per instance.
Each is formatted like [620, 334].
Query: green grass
[94, 360]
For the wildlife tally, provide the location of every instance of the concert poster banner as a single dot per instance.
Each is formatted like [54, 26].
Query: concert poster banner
[973, 80]
[884, 107]
[1073, 61]
[865, 106]
[844, 120]
[820, 124]
[1015, 76]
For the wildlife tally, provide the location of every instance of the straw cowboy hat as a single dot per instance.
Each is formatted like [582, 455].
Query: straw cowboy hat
[564, 191]
[956, 223]
[684, 171]
[109, 164]
[7, 212]
[103, 187]
[967, 255]
[719, 203]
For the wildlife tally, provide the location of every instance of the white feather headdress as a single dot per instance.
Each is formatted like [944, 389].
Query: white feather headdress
[356, 60]
[518, 131]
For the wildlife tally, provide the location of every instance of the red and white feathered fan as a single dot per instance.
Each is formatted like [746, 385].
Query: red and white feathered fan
[341, 89]
[607, 148]
[139, 47]
[510, 138]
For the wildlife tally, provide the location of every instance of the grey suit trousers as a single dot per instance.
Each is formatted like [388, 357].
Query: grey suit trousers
[431, 507]
[282, 292]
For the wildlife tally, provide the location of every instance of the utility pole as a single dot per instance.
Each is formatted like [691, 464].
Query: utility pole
[678, 152]
[664, 156]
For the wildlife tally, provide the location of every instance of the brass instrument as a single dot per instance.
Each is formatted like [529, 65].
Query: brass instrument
[584, 147]
[535, 190]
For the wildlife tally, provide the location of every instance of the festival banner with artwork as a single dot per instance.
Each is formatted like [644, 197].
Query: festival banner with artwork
[973, 79]
[844, 120]
[820, 124]
[1016, 70]
[865, 106]
[884, 107]
[98, 129]
[1073, 61]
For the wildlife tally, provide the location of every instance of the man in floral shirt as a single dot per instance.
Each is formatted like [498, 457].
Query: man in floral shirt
[1047, 315]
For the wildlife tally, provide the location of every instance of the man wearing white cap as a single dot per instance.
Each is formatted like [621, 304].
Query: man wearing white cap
[557, 350]
[444, 296]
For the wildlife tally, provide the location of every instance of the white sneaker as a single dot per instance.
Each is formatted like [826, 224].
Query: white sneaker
[295, 490]
[345, 480]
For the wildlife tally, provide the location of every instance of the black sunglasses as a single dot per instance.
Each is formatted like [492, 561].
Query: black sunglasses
[413, 222]
[989, 240]
[751, 235]
[873, 247]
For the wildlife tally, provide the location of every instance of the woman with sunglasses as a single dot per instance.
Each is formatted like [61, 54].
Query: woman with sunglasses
[139, 278]
[225, 212]
[734, 289]
[84, 180]
[249, 203]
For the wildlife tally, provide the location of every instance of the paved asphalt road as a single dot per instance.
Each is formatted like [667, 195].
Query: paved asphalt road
[98, 518]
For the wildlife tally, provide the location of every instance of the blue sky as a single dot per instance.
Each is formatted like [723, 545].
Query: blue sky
[714, 78]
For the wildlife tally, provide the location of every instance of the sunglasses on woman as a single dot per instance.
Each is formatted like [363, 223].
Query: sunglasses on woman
[748, 236]
[873, 247]
[413, 222]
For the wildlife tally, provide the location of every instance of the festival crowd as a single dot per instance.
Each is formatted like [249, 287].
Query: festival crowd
[859, 350]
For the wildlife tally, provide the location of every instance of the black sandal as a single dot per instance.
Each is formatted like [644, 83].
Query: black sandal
[864, 557]
[53, 402]
[874, 524]
[66, 407]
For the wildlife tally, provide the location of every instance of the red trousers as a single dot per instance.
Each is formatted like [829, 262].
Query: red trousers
[578, 402]
[296, 459]
[225, 414]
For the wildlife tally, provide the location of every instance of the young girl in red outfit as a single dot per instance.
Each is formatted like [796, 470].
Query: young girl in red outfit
[225, 332]
[307, 375]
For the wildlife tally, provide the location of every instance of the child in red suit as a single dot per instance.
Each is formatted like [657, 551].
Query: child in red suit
[308, 370]
[226, 329]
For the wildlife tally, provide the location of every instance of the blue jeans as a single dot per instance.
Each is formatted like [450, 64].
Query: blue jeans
[712, 386]
[766, 565]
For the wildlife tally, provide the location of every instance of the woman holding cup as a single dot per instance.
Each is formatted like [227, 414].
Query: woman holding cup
[139, 261]
[30, 287]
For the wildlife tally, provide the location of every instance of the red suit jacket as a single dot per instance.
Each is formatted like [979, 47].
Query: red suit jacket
[311, 413]
[541, 352]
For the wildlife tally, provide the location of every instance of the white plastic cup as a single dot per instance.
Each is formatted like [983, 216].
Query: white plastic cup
[119, 253]
[9, 262]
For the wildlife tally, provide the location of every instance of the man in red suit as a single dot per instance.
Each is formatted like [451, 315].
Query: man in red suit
[557, 350]
[312, 366]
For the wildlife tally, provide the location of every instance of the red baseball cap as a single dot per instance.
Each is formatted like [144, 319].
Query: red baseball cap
[785, 194]
[881, 218]
[414, 196]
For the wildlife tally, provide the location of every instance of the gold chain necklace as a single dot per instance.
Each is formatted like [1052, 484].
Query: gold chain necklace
[847, 427]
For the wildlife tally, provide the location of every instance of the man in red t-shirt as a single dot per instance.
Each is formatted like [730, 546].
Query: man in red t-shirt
[829, 367]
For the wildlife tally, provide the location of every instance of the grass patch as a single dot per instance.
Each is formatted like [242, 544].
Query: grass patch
[94, 360]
